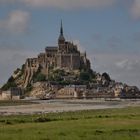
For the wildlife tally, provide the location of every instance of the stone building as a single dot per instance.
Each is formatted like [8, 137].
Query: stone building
[14, 93]
[65, 55]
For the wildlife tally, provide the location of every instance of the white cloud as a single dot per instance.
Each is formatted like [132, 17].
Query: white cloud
[76, 4]
[16, 22]
[135, 9]
[128, 64]
[123, 64]
[63, 4]
[69, 3]
[122, 67]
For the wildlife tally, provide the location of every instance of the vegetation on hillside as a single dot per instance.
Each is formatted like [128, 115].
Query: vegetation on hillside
[12, 80]
[63, 77]
[10, 83]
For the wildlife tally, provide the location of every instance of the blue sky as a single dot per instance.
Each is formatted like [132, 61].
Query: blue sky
[109, 30]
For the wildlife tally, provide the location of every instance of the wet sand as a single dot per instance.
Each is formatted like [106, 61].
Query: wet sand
[48, 106]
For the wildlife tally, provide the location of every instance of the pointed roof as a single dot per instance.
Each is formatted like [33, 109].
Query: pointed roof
[61, 29]
[61, 36]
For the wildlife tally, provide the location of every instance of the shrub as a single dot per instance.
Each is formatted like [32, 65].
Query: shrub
[16, 71]
[28, 88]
[10, 83]
[40, 77]
[106, 76]
[85, 76]
[42, 119]
[11, 79]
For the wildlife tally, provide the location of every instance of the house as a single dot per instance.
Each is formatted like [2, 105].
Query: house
[14, 93]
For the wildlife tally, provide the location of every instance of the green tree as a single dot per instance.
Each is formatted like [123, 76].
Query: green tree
[84, 76]
[40, 77]
[106, 76]
[10, 83]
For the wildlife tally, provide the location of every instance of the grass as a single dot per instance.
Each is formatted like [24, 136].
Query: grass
[108, 124]
[14, 103]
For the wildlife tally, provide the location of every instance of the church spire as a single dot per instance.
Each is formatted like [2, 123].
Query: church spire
[61, 39]
[61, 29]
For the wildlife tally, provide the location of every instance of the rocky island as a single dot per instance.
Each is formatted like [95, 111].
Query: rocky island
[62, 71]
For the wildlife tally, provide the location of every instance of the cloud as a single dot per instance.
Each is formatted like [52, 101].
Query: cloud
[63, 4]
[135, 9]
[128, 65]
[134, 5]
[69, 3]
[16, 22]
[123, 64]
[122, 67]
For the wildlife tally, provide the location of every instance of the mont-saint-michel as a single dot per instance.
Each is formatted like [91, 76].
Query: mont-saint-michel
[63, 72]
[69, 69]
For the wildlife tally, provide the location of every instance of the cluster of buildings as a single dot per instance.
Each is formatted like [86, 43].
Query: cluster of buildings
[102, 87]
[110, 88]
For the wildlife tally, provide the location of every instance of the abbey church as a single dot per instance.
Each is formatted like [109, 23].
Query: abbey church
[65, 55]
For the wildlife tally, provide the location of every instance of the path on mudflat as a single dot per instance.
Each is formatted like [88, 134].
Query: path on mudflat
[47, 106]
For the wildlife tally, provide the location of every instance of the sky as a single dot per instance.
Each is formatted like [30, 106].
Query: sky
[108, 30]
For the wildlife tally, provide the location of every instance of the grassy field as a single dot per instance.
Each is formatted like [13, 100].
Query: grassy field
[109, 124]
[14, 103]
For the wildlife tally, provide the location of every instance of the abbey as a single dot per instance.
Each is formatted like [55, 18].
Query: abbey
[65, 55]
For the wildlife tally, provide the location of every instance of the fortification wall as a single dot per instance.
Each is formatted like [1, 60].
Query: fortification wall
[66, 61]
[75, 61]
[70, 61]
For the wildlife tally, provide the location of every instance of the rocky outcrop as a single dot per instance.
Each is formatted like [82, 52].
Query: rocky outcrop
[42, 90]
